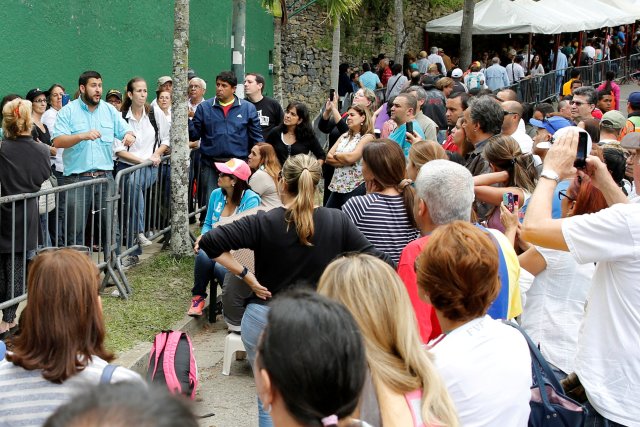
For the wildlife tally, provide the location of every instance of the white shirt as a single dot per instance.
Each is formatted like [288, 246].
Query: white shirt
[143, 147]
[49, 119]
[554, 307]
[608, 358]
[590, 51]
[486, 366]
[515, 72]
[524, 141]
[435, 58]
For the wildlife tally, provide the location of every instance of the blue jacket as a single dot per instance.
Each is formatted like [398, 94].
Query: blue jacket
[217, 202]
[225, 137]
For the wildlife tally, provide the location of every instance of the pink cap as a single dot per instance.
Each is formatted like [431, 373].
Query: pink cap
[235, 167]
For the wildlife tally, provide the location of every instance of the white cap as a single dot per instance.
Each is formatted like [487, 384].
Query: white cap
[456, 73]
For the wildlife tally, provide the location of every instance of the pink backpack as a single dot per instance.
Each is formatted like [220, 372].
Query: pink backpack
[172, 363]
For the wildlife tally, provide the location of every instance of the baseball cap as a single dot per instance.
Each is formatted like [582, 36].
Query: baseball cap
[164, 79]
[34, 93]
[114, 92]
[613, 119]
[634, 98]
[552, 125]
[631, 141]
[191, 73]
[457, 73]
[235, 167]
[562, 132]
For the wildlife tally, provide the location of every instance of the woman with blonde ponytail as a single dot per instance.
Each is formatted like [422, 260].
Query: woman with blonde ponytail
[385, 213]
[403, 387]
[292, 246]
[512, 172]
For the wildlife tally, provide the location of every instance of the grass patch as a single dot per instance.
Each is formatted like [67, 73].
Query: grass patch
[161, 290]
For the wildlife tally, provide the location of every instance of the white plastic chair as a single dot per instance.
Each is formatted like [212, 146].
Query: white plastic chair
[232, 344]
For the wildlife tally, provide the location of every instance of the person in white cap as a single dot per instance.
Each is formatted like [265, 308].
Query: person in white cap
[458, 86]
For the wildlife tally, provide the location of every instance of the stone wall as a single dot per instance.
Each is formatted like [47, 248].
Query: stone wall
[306, 47]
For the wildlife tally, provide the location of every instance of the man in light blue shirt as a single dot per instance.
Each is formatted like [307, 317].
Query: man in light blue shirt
[403, 111]
[369, 79]
[560, 66]
[86, 129]
[496, 75]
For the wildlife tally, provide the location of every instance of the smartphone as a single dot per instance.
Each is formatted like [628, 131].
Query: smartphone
[507, 200]
[410, 127]
[65, 99]
[332, 93]
[581, 155]
[516, 200]
[377, 133]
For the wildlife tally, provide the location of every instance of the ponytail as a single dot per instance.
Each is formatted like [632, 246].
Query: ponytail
[301, 174]
[408, 194]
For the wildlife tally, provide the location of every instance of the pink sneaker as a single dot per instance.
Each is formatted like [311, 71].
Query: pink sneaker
[197, 305]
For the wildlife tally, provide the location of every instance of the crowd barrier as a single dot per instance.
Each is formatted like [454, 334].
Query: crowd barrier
[102, 216]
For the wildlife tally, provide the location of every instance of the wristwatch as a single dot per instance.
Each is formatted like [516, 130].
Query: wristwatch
[550, 174]
[243, 273]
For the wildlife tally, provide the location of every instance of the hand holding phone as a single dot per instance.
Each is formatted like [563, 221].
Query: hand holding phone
[581, 155]
[409, 127]
[332, 94]
[508, 200]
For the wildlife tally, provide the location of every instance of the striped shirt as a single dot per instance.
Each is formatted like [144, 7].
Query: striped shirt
[384, 221]
[27, 399]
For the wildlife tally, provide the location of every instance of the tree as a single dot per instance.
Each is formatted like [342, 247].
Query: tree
[180, 240]
[238, 31]
[401, 36]
[466, 33]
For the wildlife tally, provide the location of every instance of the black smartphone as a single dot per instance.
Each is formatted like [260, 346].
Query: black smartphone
[332, 93]
[581, 155]
[410, 127]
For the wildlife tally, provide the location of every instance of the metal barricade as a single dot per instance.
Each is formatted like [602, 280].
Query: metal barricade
[82, 216]
[547, 86]
[634, 65]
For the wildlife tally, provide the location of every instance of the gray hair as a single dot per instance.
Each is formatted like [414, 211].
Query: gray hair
[495, 60]
[447, 189]
[419, 92]
[200, 82]
[588, 92]
[434, 50]
[487, 113]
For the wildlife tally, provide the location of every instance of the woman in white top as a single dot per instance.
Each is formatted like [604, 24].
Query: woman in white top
[60, 349]
[49, 119]
[265, 167]
[555, 302]
[536, 67]
[150, 145]
[164, 103]
[485, 364]
[346, 157]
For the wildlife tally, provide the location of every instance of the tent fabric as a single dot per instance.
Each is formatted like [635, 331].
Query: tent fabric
[541, 17]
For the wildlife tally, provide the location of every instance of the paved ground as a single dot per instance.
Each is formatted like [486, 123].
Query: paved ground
[232, 398]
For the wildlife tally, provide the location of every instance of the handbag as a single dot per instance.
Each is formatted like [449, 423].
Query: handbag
[47, 203]
[550, 407]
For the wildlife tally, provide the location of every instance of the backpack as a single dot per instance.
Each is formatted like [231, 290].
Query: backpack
[474, 81]
[173, 364]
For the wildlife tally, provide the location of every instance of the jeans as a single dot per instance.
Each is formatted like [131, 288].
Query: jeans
[204, 271]
[208, 182]
[61, 207]
[253, 322]
[134, 189]
[336, 200]
[89, 200]
[594, 419]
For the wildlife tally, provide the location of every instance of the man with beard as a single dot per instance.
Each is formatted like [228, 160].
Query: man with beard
[86, 129]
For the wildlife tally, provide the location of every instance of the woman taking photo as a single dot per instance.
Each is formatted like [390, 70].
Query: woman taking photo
[385, 213]
[403, 387]
[298, 396]
[422, 152]
[24, 166]
[295, 134]
[346, 155]
[292, 245]
[484, 363]
[232, 197]
[60, 348]
[265, 167]
[513, 171]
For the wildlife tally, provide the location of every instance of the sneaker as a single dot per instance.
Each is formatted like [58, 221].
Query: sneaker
[130, 260]
[143, 241]
[197, 305]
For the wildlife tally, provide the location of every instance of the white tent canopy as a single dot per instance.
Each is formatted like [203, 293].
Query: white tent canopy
[541, 17]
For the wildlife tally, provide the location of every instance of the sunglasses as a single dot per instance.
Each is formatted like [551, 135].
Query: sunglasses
[506, 113]
[563, 195]
[578, 103]
[223, 174]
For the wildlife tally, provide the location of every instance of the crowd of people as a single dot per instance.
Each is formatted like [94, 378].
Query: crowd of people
[449, 207]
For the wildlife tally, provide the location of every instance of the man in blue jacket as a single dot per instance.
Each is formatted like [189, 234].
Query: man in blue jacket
[227, 127]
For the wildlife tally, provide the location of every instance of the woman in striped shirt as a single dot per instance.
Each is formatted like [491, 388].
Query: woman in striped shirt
[385, 214]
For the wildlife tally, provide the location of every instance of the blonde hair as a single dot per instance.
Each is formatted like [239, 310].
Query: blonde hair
[378, 300]
[16, 118]
[424, 151]
[302, 173]
[444, 82]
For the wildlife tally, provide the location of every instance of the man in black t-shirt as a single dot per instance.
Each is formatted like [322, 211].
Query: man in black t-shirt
[269, 110]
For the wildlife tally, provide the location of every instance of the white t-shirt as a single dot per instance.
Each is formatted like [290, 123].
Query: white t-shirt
[27, 399]
[608, 358]
[590, 51]
[143, 147]
[486, 367]
[49, 119]
[554, 307]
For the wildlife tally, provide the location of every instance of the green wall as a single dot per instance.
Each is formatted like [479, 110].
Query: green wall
[53, 41]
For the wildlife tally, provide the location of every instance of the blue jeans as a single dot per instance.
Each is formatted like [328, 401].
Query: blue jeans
[204, 271]
[207, 183]
[594, 419]
[89, 200]
[253, 322]
[61, 207]
[134, 187]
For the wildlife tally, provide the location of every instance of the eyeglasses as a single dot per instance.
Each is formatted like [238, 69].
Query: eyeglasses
[563, 195]
[578, 103]
[195, 87]
[506, 113]
[39, 101]
[223, 174]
